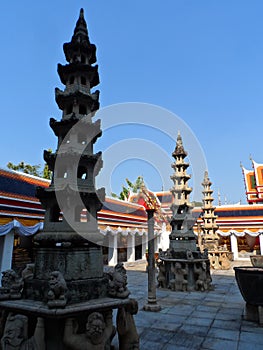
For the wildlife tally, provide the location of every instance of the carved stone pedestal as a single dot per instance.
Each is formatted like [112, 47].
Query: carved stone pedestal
[185, 274]
[87, 325]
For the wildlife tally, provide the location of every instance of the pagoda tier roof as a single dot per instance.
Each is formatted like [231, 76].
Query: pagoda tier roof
[57, 125]
[180, 190]
[69, 155]
[209, 190]
[176, 165]
[63, 98]
[210, 199]
[179, 152]
[209, 216]
[180, 176]
[206, 183]
[90, 71]
[91, 129]
[208, 208]
[62, 188]
[84, 47]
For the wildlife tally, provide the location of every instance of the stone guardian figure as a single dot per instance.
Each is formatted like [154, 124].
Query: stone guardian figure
[127, 332]
[15, 336]
[97, 336]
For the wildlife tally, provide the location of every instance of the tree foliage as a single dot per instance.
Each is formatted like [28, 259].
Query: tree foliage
[31, 169]
[25, 168]
[128, 188]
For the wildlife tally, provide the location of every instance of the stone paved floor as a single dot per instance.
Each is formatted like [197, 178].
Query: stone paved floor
[197, 320]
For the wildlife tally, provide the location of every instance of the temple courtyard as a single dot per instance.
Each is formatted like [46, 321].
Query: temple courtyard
[195, 320]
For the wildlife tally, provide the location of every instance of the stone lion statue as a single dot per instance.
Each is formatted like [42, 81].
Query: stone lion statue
[118, 282]
[57, 290]
[12, 285]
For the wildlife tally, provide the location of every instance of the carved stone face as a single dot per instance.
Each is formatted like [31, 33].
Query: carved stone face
[13, 334]
[53, 279]
[95, 328]
[178, 266]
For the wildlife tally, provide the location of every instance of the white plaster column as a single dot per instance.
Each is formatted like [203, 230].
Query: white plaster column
[131, 247]
[6, 251]
[164, 238]
[234, 247]
[261, 243]
[113, 248]
[157, 239]
[144, 244]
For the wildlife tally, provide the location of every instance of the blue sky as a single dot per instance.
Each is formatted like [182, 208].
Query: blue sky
[201, 60]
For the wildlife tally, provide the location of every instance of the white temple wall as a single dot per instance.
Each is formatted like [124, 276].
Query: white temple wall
[164, 238]
[131, 248]
[6, 251]
[144, 245]
[113, 251]
[234, 246]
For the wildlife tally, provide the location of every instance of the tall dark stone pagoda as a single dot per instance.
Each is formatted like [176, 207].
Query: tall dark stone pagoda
[183, 267]
[74, 166]
[182, 236]
[65, 300]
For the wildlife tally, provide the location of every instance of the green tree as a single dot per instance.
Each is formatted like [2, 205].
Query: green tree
[32, 169]
[25, 168]
[46, 173]
[129, 187]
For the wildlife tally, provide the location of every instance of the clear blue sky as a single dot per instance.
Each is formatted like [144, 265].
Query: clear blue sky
[202, 60]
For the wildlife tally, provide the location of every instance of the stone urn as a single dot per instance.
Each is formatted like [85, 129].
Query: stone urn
[250, 283]
[257, 260]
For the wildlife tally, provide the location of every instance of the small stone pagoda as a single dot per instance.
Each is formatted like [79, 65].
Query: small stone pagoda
[65, 300]
[219, 256]
[183, 267]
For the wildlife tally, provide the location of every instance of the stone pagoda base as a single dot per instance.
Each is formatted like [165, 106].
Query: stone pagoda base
[183, 274]
[220, 259]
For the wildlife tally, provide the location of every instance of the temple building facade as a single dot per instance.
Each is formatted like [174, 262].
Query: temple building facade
[123, 224]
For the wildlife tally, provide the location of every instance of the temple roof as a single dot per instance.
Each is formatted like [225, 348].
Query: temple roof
[253, 179]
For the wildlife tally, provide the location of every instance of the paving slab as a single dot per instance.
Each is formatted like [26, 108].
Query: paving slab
[212, 320]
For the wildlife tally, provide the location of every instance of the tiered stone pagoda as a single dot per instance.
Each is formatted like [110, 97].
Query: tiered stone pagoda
[182, 236]
[65, 300]
[183, 267]
[209, 227]
[219, 256]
